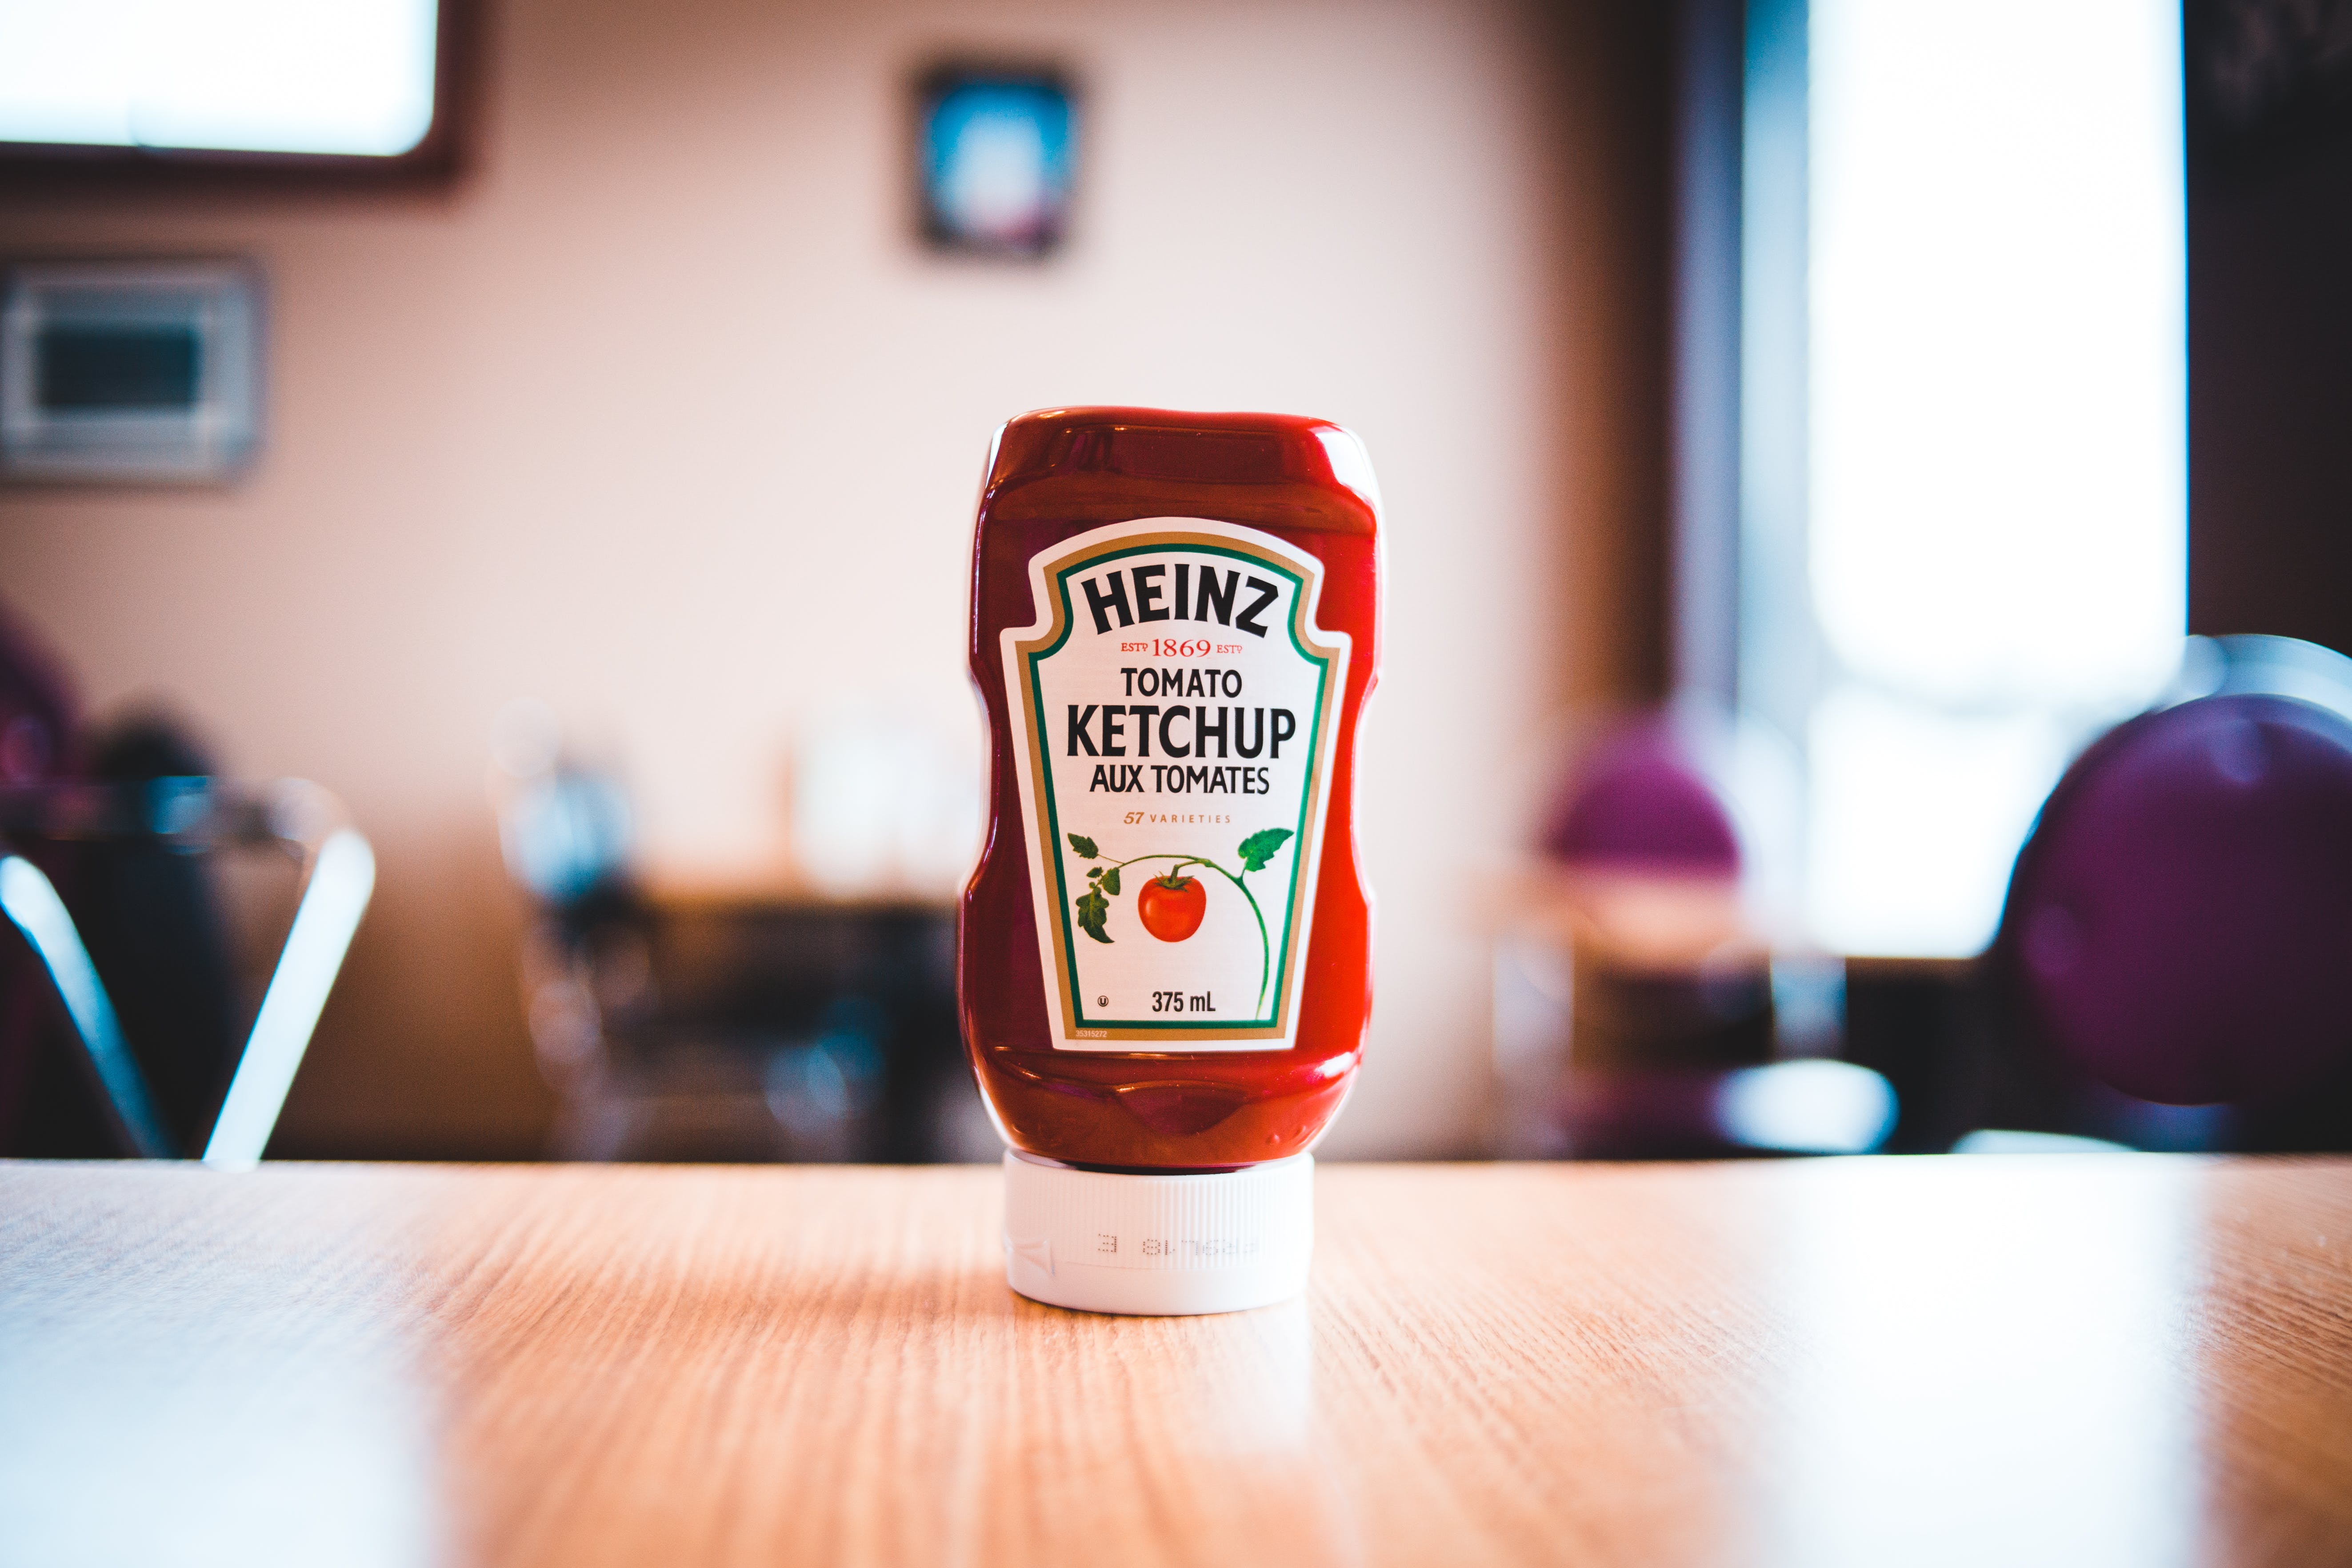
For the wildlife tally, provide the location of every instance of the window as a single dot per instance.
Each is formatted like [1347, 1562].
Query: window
[350, 80]
[1968, 553]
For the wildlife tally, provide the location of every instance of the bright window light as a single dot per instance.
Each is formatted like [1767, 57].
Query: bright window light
[349, 76]
[1915, 816]
[1997, 535]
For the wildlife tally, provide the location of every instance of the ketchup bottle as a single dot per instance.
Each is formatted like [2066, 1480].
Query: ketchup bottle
[1164, 956]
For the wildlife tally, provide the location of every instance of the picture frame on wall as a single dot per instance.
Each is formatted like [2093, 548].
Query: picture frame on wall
[995, 151]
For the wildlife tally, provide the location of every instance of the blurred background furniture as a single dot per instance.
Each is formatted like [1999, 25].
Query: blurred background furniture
[1648, 1004]
[144, 972]
[729, 1026]
[2166, 974]
[162, 992]
[2171, 964]
[38, 719]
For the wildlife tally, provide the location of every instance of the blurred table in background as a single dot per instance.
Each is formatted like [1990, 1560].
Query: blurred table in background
[2126, 1359]
[691, 1024]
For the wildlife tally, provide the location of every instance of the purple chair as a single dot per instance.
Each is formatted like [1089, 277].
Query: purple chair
[1677, 1064]
[1640, 801]
[2179, 927]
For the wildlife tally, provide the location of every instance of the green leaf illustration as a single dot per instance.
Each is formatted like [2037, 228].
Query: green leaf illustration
[1093, 910]
[1110, 882]
[1260, 847]
[1084, 846]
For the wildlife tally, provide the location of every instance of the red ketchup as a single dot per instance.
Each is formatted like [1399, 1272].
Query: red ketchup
[1164, 956]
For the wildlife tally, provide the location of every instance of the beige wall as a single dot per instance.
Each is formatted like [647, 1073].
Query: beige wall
[610, 424]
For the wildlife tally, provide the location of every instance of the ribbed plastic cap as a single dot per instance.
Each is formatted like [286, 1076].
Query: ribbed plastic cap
[1157, 1245]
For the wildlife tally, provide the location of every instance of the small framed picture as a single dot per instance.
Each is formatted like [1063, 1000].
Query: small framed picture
[129, 372]
[995, 147]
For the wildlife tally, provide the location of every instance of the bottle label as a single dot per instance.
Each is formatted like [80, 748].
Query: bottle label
[1174, 707]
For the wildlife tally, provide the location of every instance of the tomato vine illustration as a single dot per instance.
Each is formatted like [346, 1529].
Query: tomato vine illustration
[1176, 922]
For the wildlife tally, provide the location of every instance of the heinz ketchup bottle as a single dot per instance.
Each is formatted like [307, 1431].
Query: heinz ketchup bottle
[1164, 957]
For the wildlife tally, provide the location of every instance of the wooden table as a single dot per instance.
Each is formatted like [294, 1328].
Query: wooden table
[2079, 1360]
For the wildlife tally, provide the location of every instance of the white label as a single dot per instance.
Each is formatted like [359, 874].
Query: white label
[1173, 712]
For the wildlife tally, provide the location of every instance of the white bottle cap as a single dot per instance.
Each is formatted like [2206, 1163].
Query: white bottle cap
[1157, 1245]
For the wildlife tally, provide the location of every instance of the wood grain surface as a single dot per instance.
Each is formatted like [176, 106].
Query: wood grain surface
[2081, 1361]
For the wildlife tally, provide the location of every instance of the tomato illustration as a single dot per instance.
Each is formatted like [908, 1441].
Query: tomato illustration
[1170, 907]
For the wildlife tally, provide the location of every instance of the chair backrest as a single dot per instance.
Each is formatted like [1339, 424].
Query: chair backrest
[1639, 800]
[153, 918]
[188, 815]
[37, 731]
[2179, 924]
